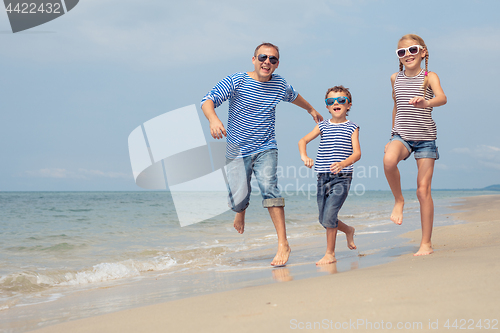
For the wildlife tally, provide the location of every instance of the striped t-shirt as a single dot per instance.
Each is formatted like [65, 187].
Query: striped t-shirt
[252, 107]
[335, 145]
[412, 123]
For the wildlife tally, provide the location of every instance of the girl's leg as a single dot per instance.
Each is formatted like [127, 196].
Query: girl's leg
[349, 234]
[424, 180]
[394, 153]
[331, 237]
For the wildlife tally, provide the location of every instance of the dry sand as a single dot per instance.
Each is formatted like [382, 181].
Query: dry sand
[459, 283]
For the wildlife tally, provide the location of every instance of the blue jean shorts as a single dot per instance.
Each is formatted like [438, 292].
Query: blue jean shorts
[332, 192]
[239, 174]
[422, 149]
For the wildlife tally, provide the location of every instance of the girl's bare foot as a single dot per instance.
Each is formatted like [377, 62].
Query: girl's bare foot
[397, 212]
[329, 258]
[350, 238]
[425, 249]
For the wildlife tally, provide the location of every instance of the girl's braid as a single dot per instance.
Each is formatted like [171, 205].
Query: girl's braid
[426, 77]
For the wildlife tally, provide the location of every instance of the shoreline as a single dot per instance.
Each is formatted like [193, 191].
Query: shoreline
[431, 290]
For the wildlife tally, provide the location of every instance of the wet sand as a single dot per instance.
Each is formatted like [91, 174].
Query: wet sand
[457, 286]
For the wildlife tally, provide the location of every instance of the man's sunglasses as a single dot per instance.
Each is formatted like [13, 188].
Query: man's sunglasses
[272, 59]
[340, 100]
[414, 49]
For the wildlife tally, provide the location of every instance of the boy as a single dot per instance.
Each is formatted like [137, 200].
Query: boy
[338, 150]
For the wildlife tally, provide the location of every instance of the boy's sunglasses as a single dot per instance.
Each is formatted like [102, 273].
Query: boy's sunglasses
[272, 59]
[340, 100]
[414, 49]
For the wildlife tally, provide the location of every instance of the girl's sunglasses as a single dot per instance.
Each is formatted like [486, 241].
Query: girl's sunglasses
[414, 49]
[272, 59]
[340, 100]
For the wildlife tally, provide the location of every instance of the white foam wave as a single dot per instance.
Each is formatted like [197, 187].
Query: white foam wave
[113, 271]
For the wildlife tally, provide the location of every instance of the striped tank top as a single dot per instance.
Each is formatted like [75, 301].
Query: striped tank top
[335, 145]
[412, 123]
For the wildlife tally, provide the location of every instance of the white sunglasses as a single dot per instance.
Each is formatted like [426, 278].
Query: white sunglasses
[414, 49]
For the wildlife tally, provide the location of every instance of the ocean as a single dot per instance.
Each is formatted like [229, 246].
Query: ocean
[70, 255]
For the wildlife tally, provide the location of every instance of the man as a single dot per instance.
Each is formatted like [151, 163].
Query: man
[251, 144]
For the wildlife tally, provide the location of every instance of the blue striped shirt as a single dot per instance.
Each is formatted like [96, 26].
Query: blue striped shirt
[252, 108]
[335, 145]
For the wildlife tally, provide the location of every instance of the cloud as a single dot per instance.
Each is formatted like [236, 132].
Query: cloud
[484, 155]
[68, 174]
[168, 34]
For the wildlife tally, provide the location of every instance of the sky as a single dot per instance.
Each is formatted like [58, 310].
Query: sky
[73, 89]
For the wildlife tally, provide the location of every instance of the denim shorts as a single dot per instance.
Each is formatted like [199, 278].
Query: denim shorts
[239, 174]
[422, 149]
[332, 192]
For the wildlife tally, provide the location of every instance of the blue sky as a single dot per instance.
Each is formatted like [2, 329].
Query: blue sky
[73, 89]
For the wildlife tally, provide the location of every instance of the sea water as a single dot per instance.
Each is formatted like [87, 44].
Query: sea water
[127, 249]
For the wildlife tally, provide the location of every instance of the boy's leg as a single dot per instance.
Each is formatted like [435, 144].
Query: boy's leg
[331, 237]
[265, 169]
[349, 234]
[395, 152]
[424, 180]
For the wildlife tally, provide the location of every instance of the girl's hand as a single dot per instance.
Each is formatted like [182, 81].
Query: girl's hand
[336, 167]
[308, 162]
[419, 102]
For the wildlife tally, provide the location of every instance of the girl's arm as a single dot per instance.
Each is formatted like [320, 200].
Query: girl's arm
[308, 162]
[439, 98]
[394, 108]
[355, 156]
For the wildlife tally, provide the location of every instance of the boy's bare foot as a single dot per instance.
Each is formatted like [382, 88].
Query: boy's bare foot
[239, 222]
[329, 258]
[397, 212]
[425, 249]
[350, 238]
[282, 256]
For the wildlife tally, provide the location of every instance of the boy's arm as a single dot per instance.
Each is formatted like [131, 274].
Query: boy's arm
[308, 162]
[216, 127]
[301, 102]
[355, 156]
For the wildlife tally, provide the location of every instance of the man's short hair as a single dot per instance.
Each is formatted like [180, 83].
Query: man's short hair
[268, 45]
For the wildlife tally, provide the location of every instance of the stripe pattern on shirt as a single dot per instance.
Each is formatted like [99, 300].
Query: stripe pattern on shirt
[412, 123]
[252, 110]
[335, 145]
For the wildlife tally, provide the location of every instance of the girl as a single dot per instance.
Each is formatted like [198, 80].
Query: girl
[415, 92]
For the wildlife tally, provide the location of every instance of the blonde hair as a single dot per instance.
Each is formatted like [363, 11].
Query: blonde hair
[420, 42]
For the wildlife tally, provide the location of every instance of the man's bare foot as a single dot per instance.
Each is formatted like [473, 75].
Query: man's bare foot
[329, 258]
[397, 212]
[282, 256]
[425, 249]
[239, 222]
[350, 238]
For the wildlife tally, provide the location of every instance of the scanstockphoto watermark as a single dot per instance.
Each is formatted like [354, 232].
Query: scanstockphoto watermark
[369, 325]
[165, 156]
[359, 324]
[301, 181]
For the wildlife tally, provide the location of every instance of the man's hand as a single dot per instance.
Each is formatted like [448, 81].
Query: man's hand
[316, 116]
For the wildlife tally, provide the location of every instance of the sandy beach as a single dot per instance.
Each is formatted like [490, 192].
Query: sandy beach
[455, 288]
